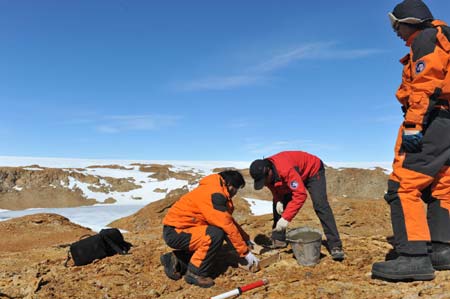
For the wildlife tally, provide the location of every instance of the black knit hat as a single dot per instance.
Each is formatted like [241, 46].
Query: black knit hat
[411, 12]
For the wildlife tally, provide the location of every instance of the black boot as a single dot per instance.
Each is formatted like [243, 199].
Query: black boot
[404, 268]
[183, 260]
[440, 256]
[171, 265]
[337, 254]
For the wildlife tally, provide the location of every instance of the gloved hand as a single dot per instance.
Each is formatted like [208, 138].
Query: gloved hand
[252, 259]
[281, 225]
[412, 141]
[279, 208]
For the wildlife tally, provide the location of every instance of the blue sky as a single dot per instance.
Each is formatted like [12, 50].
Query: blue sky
[200, 80]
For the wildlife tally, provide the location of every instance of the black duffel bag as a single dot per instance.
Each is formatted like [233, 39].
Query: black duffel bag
[106, 243]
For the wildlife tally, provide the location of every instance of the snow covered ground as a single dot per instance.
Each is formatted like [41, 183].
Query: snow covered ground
[259, 207]
[98, 216]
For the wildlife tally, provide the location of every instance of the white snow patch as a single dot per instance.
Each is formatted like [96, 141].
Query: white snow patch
[259, 207]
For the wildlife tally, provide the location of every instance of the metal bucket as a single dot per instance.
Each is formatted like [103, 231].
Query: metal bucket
[305, 243]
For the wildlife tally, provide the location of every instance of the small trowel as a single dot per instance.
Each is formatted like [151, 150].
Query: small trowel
[263, 263]
[269, 260]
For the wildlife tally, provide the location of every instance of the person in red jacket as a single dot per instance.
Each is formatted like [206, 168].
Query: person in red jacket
[288, 175]
[421, 167]
[198, 223]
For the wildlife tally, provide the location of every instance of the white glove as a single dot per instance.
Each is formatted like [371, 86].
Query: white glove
[252, 259]
[279, 208]
[281, 225]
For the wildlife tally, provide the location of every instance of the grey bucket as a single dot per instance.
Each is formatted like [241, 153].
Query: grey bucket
[305, 243]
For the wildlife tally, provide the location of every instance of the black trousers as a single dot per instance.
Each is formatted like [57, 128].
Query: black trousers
[317, 188]
[196, 247]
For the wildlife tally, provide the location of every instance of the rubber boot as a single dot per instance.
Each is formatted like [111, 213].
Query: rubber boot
[440, 256]
[404, 268]
[201, 281]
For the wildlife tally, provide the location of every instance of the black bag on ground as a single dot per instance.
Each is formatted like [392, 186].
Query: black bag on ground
[106, 243]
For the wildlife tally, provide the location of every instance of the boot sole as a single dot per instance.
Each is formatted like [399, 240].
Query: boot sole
[442, 267]
[338, 258]
[191, 280]
[394, 277]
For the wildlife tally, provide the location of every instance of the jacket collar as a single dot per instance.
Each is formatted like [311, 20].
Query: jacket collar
[438, 23]
[224, 186]
[412, 38]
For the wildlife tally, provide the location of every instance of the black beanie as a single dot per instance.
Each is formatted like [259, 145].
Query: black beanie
[412, 9]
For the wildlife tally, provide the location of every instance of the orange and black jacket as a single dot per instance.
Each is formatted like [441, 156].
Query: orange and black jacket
[208, 204]
[291, 169]
[426, 80]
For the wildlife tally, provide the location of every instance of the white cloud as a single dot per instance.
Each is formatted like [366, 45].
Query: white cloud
[107, 129]
[238, 123]
[317, 51]
[260, 73]
[307, 51]
[220, 83]
[121, 123]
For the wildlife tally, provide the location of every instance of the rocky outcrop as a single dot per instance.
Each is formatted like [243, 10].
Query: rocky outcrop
[46, 188]
[37, 187]
[163, 172]
[356, 183]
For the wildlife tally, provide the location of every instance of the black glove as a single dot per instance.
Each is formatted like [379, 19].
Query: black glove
[412, 141]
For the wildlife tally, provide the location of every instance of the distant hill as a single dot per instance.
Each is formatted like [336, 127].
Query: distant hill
[39, 187]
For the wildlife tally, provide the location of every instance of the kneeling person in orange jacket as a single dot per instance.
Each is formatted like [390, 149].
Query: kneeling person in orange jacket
[198, 223]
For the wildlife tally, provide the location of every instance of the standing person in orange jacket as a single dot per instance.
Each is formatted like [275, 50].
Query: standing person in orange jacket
[198, 223]
[288, 175]
[421, 169]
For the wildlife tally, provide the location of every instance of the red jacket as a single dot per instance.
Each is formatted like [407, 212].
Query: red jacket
[292, 168]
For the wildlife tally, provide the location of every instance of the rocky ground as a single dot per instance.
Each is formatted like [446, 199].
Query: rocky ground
[33, 250]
